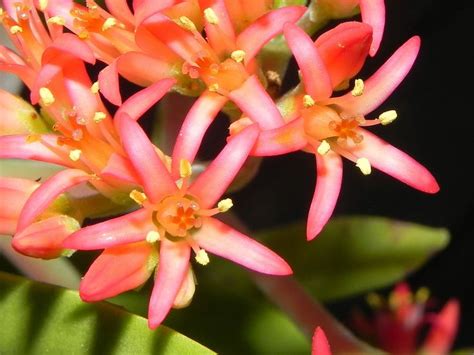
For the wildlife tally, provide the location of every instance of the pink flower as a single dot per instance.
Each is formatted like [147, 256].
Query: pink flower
[332, 127]
[175, 218]
[399, 322]
[320, 344]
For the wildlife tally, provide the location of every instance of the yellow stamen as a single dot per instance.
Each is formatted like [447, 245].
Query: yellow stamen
[99, 116]
[238, 55]
[46, 96]
[324, 148]
[273, 77]
[138, 197]
[95, 87]
[185, 168]
[75, 154]
[364, 165]
[31, 138]
[388, 117]
[187, 24]
[202, 257]
[152, 236]
[358, 88]
[57, 20]
[422, 295]
[308, 101]
[225, 205]
[109, 23]
[211, 16]
[374, 300]
[43, 4]
[213, 87]
[16, 29]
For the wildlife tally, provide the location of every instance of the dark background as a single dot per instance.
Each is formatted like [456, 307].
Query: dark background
[435, 126]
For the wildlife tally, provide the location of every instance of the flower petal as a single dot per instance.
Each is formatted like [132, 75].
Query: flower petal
[255, 102]
[136, 105]
[315, 76]
[262, 30]
[326, 193]
[213, 182]
[391, 161]
[142, 69]
[120, 10]
[222, 240]
[68, 44]
[320, 343]
[286, 139]
[130, 228]
[381, 85]
[373, 14]
[156, 179]
[43, 196]
[120, 169]
[109, 83]
[172, 270]
[195, 125]
[117, 270]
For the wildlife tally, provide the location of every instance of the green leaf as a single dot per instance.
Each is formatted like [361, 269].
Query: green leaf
[39, 319]
[354, 255]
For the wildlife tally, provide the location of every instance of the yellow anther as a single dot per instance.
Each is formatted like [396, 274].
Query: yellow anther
[75, 154]
[202, 257]
[187, 24]
[225, 205]
[109, 23]
[57, 20]
[43, 4]
[388, 117]
[238, 55]
[31, 138]
[358, 88]
[95, 87]
[374, 300]
[138, 197]
[16, 29]
[364, 165]
[324, 148]
[152, 237]
[273, 77]
[211, 16]
[185, 168]
[422, 295]
[213, 87]
[308, 101]
[46, 96]
[99, 116]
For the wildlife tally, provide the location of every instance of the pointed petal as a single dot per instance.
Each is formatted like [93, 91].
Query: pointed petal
[224, 241]
[213, 182]
[145, 8]
[186, 292]
[392, 161]
[172, 270]
[136, 105]
[117, 270]
[130, 228]
[320, 343]
[120, 169]
[255, 102]
[286, 139]
[68, 44]
[373, 13]
[326, 193]
[262, 30]
[20, 147]
[381, 85]
[344, 50]
[314, 74]
[120, 10]
[44, 239]
[156, 179]
[142, 69]
[195, 125]
[109, 83]
[43, 196]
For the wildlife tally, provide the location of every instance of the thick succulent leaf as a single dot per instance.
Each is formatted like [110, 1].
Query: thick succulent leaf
[46, 319]
[354, 255]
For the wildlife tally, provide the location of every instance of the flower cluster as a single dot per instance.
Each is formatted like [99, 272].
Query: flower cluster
[221, 52]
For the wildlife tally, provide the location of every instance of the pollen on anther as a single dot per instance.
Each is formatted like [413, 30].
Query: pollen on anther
[211, 16]
[57, 20]
[95, 87]
[31, 138]
[388, 117]
[75, 154]
[185, 168]
[225, 205]
[308, 101]
[109, 23]
[152, 237]
[358, 89]
[202, 257]
[324, 148]
[43, 4]
[364, 165]
[187, 24]
[213, 87]
[238, 55]
[137, 196]
[99, 116]
[46, 96]
[16, 29]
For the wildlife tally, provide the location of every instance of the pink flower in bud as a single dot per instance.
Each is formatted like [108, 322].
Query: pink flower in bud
[332, 127]
[175, 218]
[320, 344]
